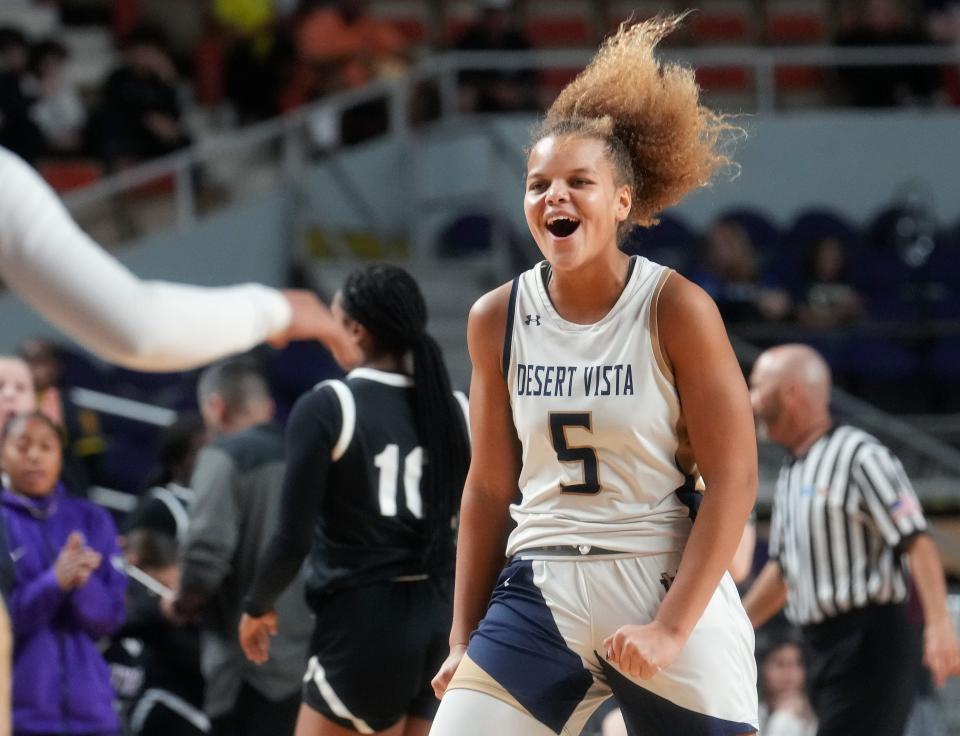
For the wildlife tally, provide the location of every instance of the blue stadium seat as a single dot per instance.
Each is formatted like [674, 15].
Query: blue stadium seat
[296, 369]
[813, 225]
[82, 370]
[942, 371]
[764, 234]
[943, 266]
[787, 265]
[671, 243]
[883, 371]
[943, 360]
[881, 271]
[472, 233]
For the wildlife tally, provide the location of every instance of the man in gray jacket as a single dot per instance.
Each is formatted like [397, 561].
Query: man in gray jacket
[237, 482]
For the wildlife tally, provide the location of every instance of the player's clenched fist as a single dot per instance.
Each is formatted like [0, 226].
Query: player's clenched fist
[449, 666]
[643, 650]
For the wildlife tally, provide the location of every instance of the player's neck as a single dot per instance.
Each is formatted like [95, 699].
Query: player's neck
[587, 294]
[386, 362]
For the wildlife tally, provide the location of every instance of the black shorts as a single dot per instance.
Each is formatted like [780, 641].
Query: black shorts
[861, 671]
[375, 650]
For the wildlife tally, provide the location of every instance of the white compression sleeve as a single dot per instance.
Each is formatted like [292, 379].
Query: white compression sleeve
[472, 713]
[146, 325]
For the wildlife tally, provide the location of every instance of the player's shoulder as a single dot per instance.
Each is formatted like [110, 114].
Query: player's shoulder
[488, 315]
[493, 304]
[681, 298]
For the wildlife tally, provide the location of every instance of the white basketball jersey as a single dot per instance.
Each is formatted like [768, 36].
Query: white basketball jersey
[605, 458]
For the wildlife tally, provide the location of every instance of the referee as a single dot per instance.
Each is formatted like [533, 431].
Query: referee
[845, 520]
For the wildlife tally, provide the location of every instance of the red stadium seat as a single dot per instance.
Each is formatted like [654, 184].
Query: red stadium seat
[554, 80]
[710, 29]
[162, 186]
[724, 79]
[796, 28]
[70, 174]
[559, 32]
[951, 83]
[799, 78]
[126, 17]
[209, 59]
[455, 28]
[413, 29]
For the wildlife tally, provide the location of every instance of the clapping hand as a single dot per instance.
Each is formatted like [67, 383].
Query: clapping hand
[75, 563]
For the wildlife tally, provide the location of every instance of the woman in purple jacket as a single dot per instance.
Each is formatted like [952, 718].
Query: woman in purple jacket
[66, 593]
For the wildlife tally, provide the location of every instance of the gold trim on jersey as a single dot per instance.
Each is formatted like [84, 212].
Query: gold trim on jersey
[470, 676]
[662, 362]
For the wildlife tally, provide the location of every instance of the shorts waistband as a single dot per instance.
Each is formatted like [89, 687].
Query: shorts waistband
[568, 550]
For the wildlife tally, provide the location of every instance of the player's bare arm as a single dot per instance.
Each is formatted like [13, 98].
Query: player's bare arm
[716, 406]
[491, 482]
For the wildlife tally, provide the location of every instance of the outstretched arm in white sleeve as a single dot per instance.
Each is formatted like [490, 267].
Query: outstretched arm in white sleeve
[146, 325]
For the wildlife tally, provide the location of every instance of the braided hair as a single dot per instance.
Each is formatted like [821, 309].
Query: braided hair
[387, 301]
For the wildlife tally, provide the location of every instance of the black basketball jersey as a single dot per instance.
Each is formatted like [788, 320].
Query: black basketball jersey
[370, 525]
[351, 491]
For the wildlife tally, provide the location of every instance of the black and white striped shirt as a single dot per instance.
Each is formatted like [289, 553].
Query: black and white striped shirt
[840, 514]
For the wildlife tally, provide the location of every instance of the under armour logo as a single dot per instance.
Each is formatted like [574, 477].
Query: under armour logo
[533, 319]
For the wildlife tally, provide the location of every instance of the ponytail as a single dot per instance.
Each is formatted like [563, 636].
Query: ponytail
[387, 301]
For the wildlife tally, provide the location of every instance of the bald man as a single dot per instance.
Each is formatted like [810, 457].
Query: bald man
[845, 519]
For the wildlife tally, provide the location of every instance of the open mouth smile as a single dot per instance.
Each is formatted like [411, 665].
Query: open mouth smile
[562, 226]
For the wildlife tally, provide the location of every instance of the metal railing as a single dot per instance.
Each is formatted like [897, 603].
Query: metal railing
[293, 133]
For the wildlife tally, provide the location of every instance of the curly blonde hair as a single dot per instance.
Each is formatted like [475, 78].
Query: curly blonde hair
[661, 140]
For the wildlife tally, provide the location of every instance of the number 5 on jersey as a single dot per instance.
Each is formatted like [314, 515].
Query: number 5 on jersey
[388, 462]
[585, 455]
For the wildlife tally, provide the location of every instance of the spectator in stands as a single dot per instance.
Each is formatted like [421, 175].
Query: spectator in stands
[17, 131]
[827, 296]
[17, 394]
[67, 593]
[879, 23]
[942, 20]
[140, 115]
[237, 481]
[255, 48]
[730, 273]
[358, 45]
[165, 506]
[496, 29]
[785, 709]
[169, 700]
[57, 109]
[340, 45]
[85, 443]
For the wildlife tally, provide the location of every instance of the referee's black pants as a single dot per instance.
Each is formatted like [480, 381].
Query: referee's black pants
[861, 671]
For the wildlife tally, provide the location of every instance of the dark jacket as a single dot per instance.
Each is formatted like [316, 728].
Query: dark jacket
[237, 482]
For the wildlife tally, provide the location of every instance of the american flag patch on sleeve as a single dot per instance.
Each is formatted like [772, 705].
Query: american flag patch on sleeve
[905, 506]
